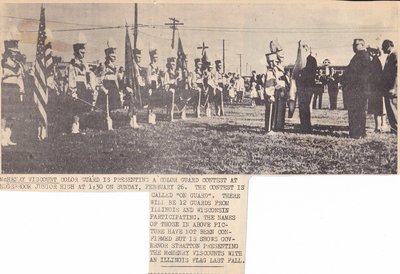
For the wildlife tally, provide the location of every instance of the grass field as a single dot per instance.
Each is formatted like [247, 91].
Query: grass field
[234, 144]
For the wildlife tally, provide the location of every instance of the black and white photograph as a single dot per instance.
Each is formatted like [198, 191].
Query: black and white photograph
[212, 88]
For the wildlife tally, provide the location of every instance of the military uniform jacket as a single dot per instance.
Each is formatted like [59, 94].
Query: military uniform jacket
[78, 75]
[281, 77]
[13, 73]
[110, 73]
[80, 83]
[170, 80]
[197, 79]
[270, 82]
[153, 76]
[109, 81]
[213, 80]
[219, 76]
[140, 74]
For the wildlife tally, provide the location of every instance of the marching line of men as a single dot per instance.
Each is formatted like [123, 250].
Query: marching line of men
[100, 88]
[173, 88]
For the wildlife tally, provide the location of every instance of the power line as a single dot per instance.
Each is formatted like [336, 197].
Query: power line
[290, 31]
[52, 21]
[154, 36]
[285, 30]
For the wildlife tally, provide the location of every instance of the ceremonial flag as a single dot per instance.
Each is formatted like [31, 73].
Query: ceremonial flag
[42, 68]
[204, 60]
[302, 52]
[181, 57]
[130, 70]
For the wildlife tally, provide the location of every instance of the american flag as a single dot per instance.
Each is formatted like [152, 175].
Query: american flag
[181, 56]
[131, 71]
[42, 69]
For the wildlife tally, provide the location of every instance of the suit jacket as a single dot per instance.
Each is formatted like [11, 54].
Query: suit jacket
[356, 75]
[389, 74]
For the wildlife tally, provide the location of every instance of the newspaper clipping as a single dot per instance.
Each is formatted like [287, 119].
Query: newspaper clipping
[185, 101]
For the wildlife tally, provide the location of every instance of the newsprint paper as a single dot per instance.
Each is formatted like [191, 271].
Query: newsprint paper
[184, 101]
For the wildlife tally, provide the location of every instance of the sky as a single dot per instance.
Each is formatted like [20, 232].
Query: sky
[329, 28]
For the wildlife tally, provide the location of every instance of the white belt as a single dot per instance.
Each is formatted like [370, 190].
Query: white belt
[11, 80]
[80, 78]
[111, 77]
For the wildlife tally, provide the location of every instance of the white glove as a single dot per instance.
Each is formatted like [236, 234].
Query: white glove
[104, 90]
[129, 90]
[272, 99]
[75, 95]
[150, 92]
[393, 93]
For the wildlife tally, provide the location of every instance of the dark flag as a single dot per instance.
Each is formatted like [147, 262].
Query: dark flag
[181, 57]
[181, 66]
[302, 52]
[42, 68]
[204, 60]
[181, 63]
[130, 70]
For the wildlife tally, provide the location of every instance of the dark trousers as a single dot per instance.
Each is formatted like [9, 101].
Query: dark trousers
[357, 108]
[391, 110]
[270, 109]
[344, 95]
[333, 93]
[318, 92]
[280, 113]
[219, 102]
[305, 96]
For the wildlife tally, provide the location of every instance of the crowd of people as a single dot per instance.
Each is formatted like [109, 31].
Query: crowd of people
[366, 88]
[105, 88]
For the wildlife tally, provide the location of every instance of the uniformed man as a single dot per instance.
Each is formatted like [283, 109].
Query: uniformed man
[171, 79]
[212, 85]
[109, 84]
[154, 81]
[270, 83]
[281, 88]
[12, 85]
[80, 86]
[219, 91]
[137, 91]
[183, 95]
[319, 90]
[330, 83]
[197, 83]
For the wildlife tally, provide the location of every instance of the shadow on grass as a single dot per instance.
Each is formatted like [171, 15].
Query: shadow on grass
[320, 130]
[227, 127]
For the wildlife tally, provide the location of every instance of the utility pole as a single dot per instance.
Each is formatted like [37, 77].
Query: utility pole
[135, 27]
[223, 55]
[203, 48]
[173, 25]
[240, 63]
